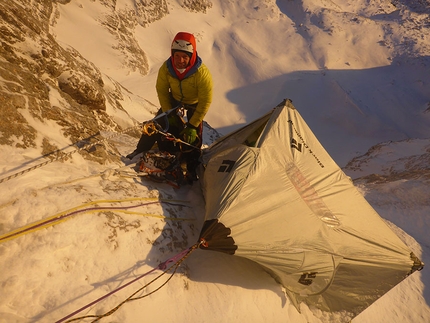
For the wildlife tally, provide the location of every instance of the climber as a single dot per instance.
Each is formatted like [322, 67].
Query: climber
[183, 80]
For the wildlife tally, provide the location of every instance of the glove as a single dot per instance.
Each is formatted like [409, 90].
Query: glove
[189, 134]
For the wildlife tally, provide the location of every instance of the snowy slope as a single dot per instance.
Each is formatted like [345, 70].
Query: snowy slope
[358, 73]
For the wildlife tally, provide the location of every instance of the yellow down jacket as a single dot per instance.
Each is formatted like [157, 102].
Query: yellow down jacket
[196, 87]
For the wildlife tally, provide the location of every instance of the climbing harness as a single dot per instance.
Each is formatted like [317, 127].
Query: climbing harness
[152, 127]
[175, 260]
[167, 113]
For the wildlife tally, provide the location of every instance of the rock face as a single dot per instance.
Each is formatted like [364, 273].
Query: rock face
[33, 67]
[197, 5]
[397, 163]
[148, 11]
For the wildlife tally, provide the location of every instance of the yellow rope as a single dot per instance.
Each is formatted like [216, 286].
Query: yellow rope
[156, 216]
[58, 218]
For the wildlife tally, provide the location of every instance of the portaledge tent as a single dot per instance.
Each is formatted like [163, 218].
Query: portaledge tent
[275, 196]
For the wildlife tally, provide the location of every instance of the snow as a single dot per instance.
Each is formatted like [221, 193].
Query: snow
[357, 73]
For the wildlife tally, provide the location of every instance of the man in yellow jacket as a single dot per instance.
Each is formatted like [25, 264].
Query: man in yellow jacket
[182, 80]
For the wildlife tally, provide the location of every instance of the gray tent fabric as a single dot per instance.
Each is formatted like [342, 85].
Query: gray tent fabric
[275, 196]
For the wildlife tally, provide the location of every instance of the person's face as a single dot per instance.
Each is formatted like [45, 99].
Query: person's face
[181, 60]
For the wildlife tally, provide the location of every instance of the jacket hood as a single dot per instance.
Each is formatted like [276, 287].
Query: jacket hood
[184, 42]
